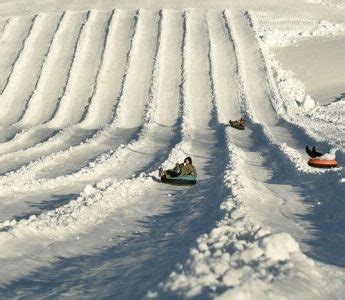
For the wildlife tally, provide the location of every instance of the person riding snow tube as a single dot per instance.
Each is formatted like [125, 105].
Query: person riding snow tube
[239, 124]
[319, 160]
[182, 174]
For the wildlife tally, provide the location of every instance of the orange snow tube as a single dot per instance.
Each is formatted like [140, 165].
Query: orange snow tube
[322, 163]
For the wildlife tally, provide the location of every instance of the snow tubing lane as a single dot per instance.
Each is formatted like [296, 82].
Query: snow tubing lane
[180, 180]
[319, 163]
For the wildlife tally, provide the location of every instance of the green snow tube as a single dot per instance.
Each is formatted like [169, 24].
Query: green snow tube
[179, 180]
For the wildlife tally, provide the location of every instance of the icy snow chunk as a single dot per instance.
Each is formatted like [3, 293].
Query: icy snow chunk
[218, 245]
[6, 223]
[255, 289]
[203, 247]
[32, 217]
[279, 246]
[221, 267]
[89, 190]
[309, 103]
[202, 268]
[152, 295]
[226, 256]
[233, 277]
[194, 252]
[251, 254]
[239, 245]
[194, 291]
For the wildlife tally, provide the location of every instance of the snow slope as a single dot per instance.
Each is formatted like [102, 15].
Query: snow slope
[97, 95]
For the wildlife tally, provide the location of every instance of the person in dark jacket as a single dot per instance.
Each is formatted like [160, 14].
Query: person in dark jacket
[313, 152]
[183, 169]
[240, 123]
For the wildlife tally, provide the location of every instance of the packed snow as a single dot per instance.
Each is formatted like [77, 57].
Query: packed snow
[96, 96]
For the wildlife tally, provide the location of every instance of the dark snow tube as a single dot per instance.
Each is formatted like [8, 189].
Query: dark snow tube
[322, 163]
[236, 125]
[180, 180]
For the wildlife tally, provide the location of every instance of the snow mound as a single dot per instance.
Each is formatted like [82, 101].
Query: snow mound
[280, 31]
[237, 255]
[323, 123]
[279, 246]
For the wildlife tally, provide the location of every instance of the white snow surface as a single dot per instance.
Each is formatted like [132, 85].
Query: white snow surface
[95, 96]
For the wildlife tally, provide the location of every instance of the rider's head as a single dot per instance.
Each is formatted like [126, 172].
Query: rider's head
[188, 160]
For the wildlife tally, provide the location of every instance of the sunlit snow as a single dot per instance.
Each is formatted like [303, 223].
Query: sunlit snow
[95, 96]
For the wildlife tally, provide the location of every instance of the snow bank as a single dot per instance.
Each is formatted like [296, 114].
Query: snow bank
[280, 31]
[92, 206]
[323, 123]
[240, 256]
[336, 3]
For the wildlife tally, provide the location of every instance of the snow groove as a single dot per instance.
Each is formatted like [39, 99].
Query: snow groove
[128, 104]
[74, 86]
[129, 56]
[100, 197]
[27, 102]
[72, 105]
[9, 36]
[109, 83]
[187, 283]
[151, 104]
[98, 143]
[66, 220]
[90, 171]
[3, 24]
[27, 68]
[152, 136]
[43, 101]
[71, 136]
[100, 65]
[77, 46]
[239, 84]
[59, 64]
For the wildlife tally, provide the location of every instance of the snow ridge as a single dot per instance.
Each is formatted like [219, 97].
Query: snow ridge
[8, 28]
[59, 63]
[70, 71]
[100, 65]
[42, 66]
